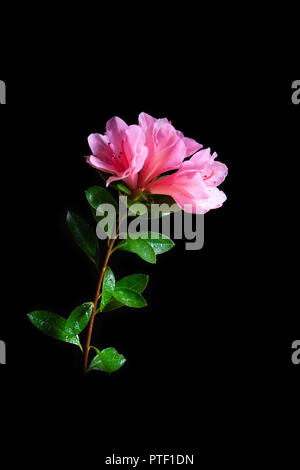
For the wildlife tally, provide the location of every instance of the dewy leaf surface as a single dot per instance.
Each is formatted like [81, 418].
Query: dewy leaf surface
[108, 287]
[108, 360]
[129, 297]
[97, 196]
[135, 282]
[140, 247]
[53, 325]
[79, 318]
[158, 241]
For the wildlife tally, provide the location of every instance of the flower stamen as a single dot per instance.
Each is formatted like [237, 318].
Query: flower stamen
[208, 177]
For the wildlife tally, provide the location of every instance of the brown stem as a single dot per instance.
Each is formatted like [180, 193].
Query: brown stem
[91, 324]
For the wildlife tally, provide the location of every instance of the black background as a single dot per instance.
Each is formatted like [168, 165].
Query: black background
[209, 360]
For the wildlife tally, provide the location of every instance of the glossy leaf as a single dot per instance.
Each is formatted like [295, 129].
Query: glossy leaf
[165, 203]
[140, 247]
[84, 236]
[135, 282]
[97, 196]
[137, 208]
[53, 325]
[122, 188]
[158, 241]
[108, 360]
[95, 216]
[129, 297]
[113, 304]
[109, 283]
[79, 318]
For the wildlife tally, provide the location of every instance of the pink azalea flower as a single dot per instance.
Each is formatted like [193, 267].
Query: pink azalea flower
[140, 154]
[121, 151]
[167, 147]
[194, 185]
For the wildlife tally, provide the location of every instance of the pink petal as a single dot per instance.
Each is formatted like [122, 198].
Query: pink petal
[128, 178]
[131, 180]
[213, 173]
[167, 147]
[134, 147]
[131, 157]
[115, 128]
[100, 164]
[99, 145]
[188, 188]
[216, 199]
[191, 146]
[200, 158]
[111, 179]
[166, 151]
[220, 171]
[146, 121]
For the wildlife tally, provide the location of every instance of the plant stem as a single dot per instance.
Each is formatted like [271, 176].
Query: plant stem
[91, 324]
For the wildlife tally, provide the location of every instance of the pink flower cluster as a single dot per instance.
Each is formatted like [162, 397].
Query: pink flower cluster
[140, 155]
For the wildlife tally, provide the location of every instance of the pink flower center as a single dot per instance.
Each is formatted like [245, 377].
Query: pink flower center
[124, 154]
[120, 160]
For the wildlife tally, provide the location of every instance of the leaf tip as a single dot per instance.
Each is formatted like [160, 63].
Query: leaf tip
[68, 216]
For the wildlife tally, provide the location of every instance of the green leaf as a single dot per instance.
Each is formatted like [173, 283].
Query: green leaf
[140, 247]
[158, 241]
[129, 297]
[135, 282]
[109, 283]
[113, 304]
[79, 318]
[95, 216]
[84, 236]
[137, 208]
[108, 360]
[97, 196]
[53, 325]
[121, 187]
[153, 202]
